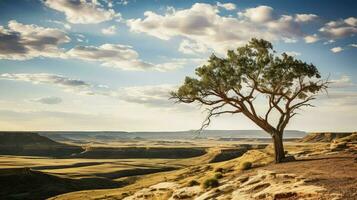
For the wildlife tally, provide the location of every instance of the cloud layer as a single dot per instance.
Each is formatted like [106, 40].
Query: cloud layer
[82, 11]
[47, 100]
[68, 84]
[204, 27]
[340, 28]
[21, 42]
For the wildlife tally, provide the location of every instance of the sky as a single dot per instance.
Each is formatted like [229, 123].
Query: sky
[110, 65]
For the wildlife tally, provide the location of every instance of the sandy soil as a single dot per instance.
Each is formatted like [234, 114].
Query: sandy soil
[337, 173]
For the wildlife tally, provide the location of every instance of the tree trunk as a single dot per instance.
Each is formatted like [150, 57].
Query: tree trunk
[278, 147]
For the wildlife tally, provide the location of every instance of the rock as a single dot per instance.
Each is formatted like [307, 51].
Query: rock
[338, 146]
[186, 193]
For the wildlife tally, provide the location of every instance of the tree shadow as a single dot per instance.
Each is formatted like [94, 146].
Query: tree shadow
[323, 158]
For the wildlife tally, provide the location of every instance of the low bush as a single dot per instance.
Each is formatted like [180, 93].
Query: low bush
[210, 183]
[246, 165]
[192, 183]
[218, 176]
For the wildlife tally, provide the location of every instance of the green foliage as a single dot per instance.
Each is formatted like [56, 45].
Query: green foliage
[210, 183]
[254, 62]
[192, 183]
[252, 70]
[218, 176]
[246, 165]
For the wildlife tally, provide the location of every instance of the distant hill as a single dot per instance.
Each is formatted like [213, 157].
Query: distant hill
[24, 183]
[325, 136]
[165, 135]
[33, 144]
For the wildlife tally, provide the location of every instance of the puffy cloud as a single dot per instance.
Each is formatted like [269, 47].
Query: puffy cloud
[203, 25]
[353, 45]
[111, 30]
[22, 42]
[352, 21]
[336, 49]
[340, 28]
[227, 6]
[82, 11]
[68, 84]
[120, 56]
[311, 38]
[48, 100]
[111, 55]
[259, 14]
[305, 17]
[156, 96]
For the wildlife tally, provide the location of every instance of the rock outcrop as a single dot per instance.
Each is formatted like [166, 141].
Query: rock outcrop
[262, 185]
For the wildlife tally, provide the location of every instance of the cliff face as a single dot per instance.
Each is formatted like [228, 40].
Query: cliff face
[325, 136]
[32, 144]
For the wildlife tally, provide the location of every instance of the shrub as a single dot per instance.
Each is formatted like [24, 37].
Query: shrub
[218, 175]
[246, 165]
[192, 183]
[210, 183]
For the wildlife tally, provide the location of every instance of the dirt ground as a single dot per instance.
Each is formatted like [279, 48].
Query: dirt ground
[337, 173]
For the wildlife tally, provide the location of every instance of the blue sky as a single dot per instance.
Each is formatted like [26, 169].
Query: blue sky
[109, 65]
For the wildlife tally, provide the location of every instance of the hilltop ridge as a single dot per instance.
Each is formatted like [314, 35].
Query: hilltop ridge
[30, 143]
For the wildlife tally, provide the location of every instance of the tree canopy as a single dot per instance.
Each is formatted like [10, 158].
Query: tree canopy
[232, 84]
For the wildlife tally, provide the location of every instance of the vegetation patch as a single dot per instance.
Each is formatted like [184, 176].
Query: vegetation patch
[246, 165]
[210, 183]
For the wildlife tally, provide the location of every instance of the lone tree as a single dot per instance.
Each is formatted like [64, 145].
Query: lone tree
[233, 85]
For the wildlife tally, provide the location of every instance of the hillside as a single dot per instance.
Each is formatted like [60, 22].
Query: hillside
[325, 136]
[24, 183]
[27, 143]
[162, 135]
[323, 171]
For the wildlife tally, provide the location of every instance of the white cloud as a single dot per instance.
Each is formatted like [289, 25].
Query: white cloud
[329, 42]
[340, 28]
[259, 14]
[191, 47]
[123, 2]
[203, 25]
[111, 30]
[47, 100]
[111, 55]
[227, 6]
[121, 56]
[65, 25]
[352, 21]
[22, 42]
[305, 17]
[293, 53]
[82, 11]
[311, 38]
[68, 84]
[155, 95]
[289, 40]
[353, 45]
[336, 49]
[342, 82]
